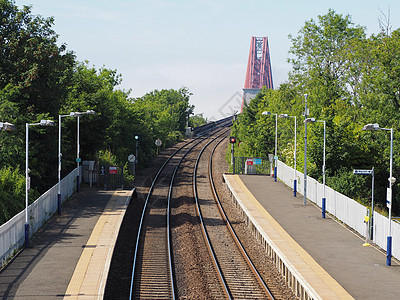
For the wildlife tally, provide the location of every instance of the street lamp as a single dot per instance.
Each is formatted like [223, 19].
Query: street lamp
[6, 126]
[267, 113]
[294, 155]
[392, 180]
[27, 179]
[78, 159]
[76, 115]
[311, 120]
[305, 151]
[137, 157]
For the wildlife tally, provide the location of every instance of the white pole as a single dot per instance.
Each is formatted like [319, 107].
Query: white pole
[26, 186]
[59, 167]
[77, 157]
[276, 146]
[389, 238]
[305, 153]
[26, 171]
[323, 166]
[323, 174]
[372, 205]
[295, 157]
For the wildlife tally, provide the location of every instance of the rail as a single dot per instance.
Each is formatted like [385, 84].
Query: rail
[232, 231]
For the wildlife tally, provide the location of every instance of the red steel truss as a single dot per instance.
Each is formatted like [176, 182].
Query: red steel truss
[258, 72]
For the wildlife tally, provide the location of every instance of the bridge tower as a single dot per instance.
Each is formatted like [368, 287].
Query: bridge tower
[258, 72]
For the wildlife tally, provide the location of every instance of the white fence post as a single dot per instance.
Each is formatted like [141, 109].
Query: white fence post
[344, 208]
[12, 233]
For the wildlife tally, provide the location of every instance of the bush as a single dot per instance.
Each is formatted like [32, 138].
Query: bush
[12, 193]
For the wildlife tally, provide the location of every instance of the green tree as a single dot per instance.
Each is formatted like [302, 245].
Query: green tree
[351, 80]
[34, 73]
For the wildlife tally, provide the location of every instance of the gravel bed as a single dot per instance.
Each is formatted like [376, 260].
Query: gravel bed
[193, 272]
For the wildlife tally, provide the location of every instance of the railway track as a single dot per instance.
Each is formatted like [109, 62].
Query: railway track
[152, 275]
[238, 276]
[164, 261]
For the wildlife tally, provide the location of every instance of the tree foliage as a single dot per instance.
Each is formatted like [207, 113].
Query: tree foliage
[41, 80]
[351, 80]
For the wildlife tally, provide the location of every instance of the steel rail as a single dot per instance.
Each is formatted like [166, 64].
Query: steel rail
[205, 234]
[170, 257]
[171, 275]
[232, 231]
[144, 211]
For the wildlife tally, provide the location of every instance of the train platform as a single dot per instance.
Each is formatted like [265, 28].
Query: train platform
[327, 257]
[70, 255]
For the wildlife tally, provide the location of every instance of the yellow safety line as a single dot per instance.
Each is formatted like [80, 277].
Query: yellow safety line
[284, 236]
[81, 274]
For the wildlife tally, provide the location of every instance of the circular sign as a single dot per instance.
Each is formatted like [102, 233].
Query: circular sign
[131, 158]
[158, 142]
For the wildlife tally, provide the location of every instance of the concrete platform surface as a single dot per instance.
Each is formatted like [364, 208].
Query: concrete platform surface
[69, 256]
[360, 270]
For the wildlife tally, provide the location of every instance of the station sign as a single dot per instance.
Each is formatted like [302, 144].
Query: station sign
[388, 197]
[363, 172]
[257, 161]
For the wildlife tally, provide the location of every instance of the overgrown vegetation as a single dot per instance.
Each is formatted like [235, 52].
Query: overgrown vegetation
[351, 80]
[40, 80]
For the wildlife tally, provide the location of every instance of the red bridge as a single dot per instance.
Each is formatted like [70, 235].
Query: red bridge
[258, 72]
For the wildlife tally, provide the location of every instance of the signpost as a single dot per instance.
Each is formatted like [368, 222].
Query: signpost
[232, 140]
[158, 144]
[371, 218]
[271, 160]
[131, 158]
[363, 172]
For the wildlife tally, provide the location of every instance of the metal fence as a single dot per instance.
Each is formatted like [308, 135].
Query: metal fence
[111, 176]
[103, 175]
[12, 233]
[344, 208]
[251, 165]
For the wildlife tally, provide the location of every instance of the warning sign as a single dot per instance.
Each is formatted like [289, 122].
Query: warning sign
[112, 170]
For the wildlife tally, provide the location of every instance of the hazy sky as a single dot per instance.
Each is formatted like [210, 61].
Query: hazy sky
[201, 45]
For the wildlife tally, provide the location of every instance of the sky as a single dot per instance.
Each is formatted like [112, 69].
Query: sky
[199, 44]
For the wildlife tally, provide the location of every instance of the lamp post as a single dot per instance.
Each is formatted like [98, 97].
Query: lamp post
[137, 157]
[389, 197]
[311, 120]
[27, 179]
[305, 151]
[76, 115]
[267, 113]
[78, 159]
[6, 126]
[295, 147]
